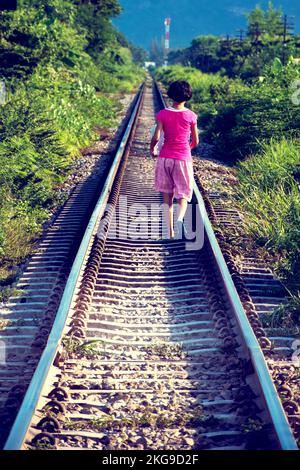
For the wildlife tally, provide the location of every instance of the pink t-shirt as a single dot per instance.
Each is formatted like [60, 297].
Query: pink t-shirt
[177, 131]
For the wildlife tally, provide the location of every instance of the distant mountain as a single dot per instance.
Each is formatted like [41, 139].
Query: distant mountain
[142, 20]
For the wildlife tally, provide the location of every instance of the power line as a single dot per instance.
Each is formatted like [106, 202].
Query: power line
[240, 34]
[288, 26]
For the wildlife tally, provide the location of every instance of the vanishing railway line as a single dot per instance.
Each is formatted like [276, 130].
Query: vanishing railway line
[151, 347]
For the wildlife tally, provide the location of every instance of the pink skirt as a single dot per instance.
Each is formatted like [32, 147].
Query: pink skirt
[175, 177]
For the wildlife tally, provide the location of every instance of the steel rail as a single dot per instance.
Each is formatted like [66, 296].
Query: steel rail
[281, 425]
[30, 401]
[268, 390]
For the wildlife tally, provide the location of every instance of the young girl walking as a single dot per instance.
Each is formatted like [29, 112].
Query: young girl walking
[174, 167]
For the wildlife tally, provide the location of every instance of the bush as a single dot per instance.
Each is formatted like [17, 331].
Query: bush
[58, 85]
[245, 115]
[42, 127]
[201, 83]
[269, 193]
[236, 116]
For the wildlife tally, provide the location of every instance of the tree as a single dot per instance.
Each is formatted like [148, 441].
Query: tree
[106, 8]
[157, 52]
[246, 57]
[273, 20]
[180, 56]
[256, 23]
[262, 22]
[203, 53]
[38, 32]
[94, 16]
[139, 54]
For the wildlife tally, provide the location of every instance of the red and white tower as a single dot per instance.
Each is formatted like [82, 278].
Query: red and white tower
[167, 39]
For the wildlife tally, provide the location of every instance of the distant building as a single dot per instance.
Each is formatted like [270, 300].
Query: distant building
[149, 64]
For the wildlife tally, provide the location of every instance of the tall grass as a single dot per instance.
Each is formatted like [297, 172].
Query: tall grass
[269, 194]
[59, 94]
[45, 122]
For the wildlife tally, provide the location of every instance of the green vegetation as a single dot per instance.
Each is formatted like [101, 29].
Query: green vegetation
[7, 292]
[63, 65]
[147, 417]
[236, 116]
[266, 37]
[246, 115]
[166, 350]
[270, 194]
[285, 317]
[42, 446]
[4, 323]
[202, 84]
[88, 349]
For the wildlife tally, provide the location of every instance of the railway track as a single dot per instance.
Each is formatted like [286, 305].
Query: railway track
[151, 347]
[28, 317]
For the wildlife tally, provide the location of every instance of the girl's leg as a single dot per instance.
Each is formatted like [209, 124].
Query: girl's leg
[182, 203]
[180, 228]
[168, 208]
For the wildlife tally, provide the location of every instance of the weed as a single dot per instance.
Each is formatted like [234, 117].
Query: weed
[88, 349]
[7, 292]
[165, 350]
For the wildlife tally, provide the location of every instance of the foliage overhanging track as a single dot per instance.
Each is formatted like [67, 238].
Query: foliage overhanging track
[156, 350]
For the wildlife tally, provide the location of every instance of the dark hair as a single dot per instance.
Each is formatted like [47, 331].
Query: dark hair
[180, 91]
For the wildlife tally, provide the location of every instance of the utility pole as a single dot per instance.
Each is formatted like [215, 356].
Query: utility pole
[287, 30]
[225, 43]
[240, 35]
[257, 33]
[167, 39]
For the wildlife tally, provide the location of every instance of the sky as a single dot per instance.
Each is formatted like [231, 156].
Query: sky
[142, 20]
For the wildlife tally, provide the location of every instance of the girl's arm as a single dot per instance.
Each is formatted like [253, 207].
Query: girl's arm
[195, 136]
[156, 137]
